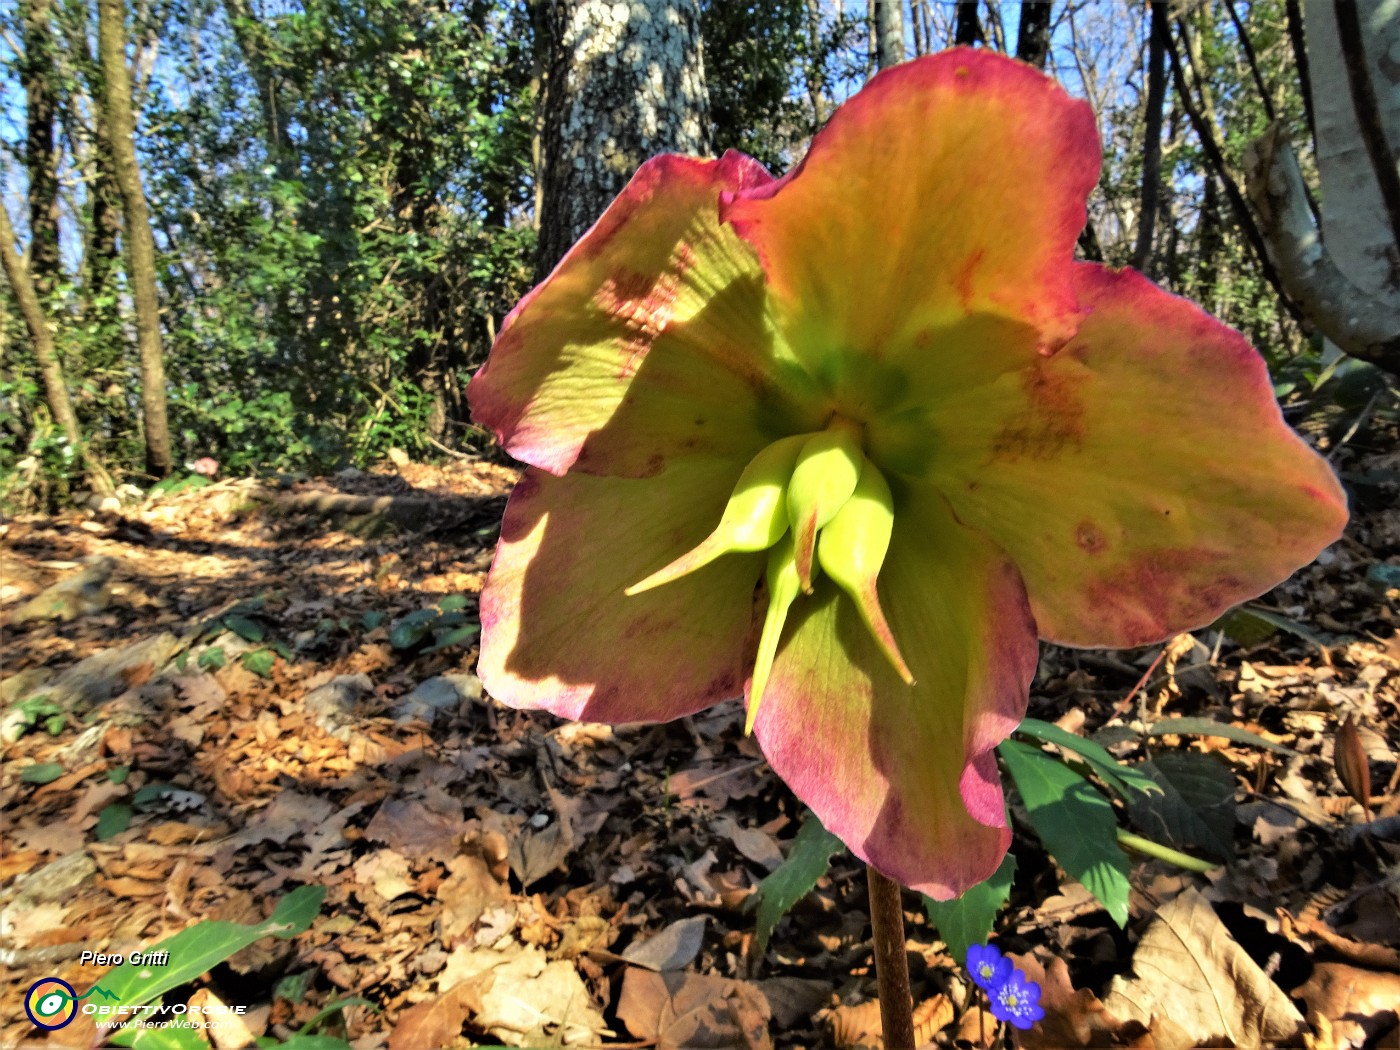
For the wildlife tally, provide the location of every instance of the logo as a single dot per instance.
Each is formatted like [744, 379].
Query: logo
[52, 1004]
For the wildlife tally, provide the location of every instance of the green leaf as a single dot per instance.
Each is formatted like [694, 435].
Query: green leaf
[313, 1042]
[196, 950]
[260, 662]
[41, 773]
[968, 919]
[212, 658]
[372, 619]
[152, 792]
[170, 1037]
[113, 820]
[1250, 625]
[1196, 807]
[118, 774]
[409, 630]
[455, 636]
[1124, 779]
[1209, 727]
[293, 986]
[248, 630]
[453, 602]
[1074, 821]
[794, 878]
[331, 1009]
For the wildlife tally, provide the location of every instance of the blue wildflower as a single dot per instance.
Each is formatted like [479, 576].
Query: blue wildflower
[988, 967]
[1016, 999]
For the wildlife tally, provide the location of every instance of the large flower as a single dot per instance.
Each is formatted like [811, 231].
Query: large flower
[845, 442]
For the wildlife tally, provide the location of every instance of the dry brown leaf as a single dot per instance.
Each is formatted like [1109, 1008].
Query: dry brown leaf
[410, 827]
[1189, 969]
[856, 1026]
[466, 894]
[439, 1021]
[671, 949]
[529, 996]
[1359, 1004]
[686, 1011]
[1076, 1017]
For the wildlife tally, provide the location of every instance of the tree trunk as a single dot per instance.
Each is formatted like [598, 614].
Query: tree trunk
[39, 77]
[968, 30]
[622, 83]
[1033, 33]
[50, 367]
[889, 32]
[1158, 36]
[140, 245]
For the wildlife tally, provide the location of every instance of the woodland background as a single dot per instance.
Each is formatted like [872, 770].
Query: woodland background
[284, 234]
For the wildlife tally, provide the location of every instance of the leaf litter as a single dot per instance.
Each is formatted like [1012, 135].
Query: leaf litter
[250, 687]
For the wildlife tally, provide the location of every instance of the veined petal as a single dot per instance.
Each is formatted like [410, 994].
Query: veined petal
[559, 634]
[951, 186]
[1143, 478]
[650, 339]
[905, 774]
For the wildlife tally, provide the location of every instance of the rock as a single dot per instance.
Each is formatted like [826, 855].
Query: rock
[434, 696]
[333, 704]
[85, 592]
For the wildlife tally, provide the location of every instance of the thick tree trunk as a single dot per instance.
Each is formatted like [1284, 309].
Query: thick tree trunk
[1033, 33]
[1349, 280]
[967, 28]
[50, 367]
[889, 32]
[140, 245]
[622, 83]
[39, 77]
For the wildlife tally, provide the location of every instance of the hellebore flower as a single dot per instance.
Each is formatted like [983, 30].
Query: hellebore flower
[987, 966]
[1016, 999]
[847, 441]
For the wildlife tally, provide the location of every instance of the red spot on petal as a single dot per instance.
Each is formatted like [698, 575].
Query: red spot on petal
[1053, 422]
[966, 273]
[1162, 592]
[1090, 537]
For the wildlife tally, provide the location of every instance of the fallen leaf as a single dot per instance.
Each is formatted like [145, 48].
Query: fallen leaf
[1359, 1004]
[671, 949]
[438, 1022]
[410, 827]
[1076, 1017]
[686, 1011]
[1189, 969]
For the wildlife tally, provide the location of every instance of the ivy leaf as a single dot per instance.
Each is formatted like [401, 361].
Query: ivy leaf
[1196, 807]
[41, 773]
[248, 630]
[409, 630]
[260, 662]
[1074, 821]
[113, 820]
[794, 878]
[968, 919]
[212, 658]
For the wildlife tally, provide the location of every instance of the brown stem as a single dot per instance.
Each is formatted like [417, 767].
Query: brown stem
[891, 964]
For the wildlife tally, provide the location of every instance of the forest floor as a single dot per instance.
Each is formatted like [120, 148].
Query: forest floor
[249, 687]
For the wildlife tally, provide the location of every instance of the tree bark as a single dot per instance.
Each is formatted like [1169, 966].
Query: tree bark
[967, 29]
[50, 367]
[39, 77]
[622, 83]
[140, 245]
[1033, 33]
[889, 32]
[1158, 37]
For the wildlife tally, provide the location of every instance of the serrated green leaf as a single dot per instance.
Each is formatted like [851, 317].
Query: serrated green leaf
[794, 878]
[453, 602]
[212, 659]
[1075, 821]
[968, 919]
[1196, 807]
[41, 773]
[248, 630]
[260, 662]
[1124, 779]
[113, 820]
[1209, 727]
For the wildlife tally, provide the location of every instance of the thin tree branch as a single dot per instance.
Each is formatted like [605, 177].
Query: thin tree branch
[1238, 204]
[1243, 36]
[1158, 40]
[1294, 14]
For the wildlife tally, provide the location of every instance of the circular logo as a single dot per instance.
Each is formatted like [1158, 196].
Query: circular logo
[51, 1003]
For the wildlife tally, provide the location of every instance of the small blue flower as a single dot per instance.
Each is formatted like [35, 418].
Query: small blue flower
[988, 967]
[1017, 1000]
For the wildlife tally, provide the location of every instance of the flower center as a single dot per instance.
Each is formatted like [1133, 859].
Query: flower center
[815, 502]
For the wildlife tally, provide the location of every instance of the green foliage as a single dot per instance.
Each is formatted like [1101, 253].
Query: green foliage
[196, 950]
[39, 773]
[968, 919]
[40, 712]
[447, 623]
[1196, 807]
[794, 878]
[113, 820]
[1074, 820]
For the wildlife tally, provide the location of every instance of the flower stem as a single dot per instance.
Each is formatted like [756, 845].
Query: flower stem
[1166, 853]
[891, 965]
